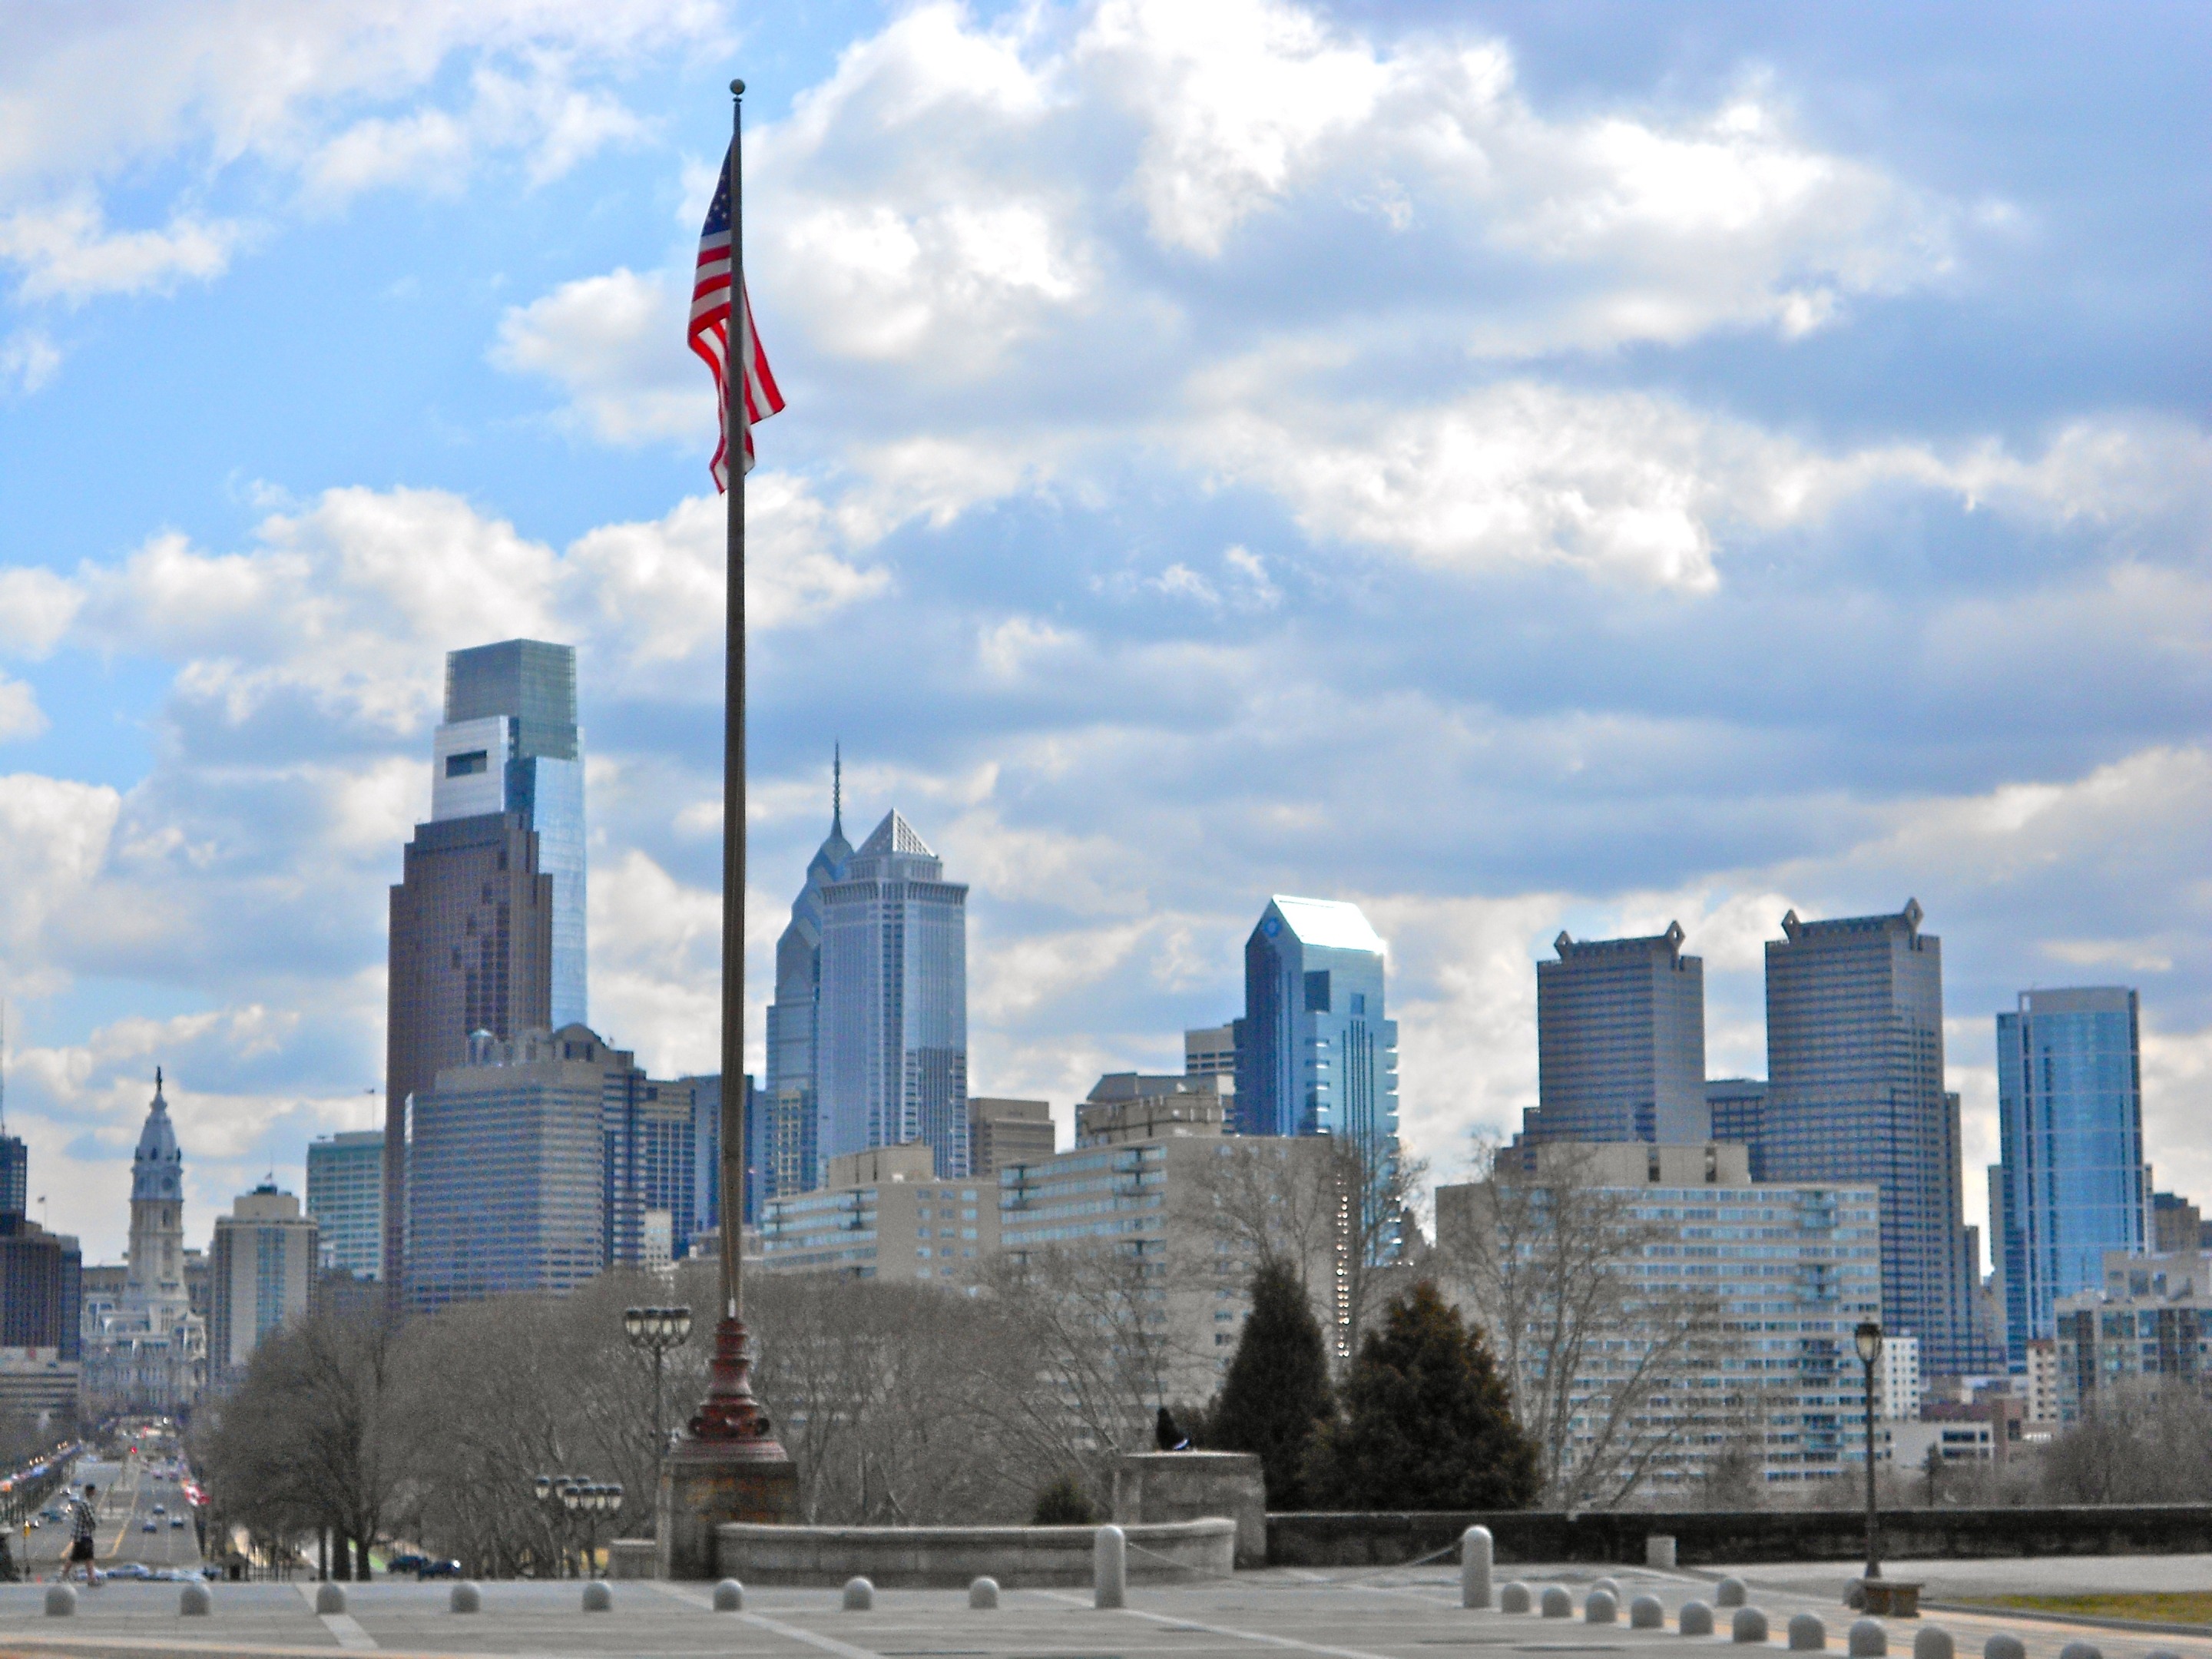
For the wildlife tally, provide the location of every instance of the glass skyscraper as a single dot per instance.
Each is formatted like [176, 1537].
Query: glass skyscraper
[1621, 1042]
[892, 1038]
[791, 1155]
[345, 1195]
[1315, 1054]
[2072, 1183]
[1854, 1092]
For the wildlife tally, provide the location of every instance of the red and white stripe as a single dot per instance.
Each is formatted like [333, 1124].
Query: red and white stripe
[709, 337]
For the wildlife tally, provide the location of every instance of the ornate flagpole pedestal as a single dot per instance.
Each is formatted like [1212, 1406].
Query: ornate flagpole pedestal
[727, 1465]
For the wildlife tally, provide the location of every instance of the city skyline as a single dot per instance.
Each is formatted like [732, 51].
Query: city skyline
[1772, 480]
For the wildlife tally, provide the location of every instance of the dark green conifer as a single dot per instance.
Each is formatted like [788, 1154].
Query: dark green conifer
[1425, 1422]
[1277, 1389]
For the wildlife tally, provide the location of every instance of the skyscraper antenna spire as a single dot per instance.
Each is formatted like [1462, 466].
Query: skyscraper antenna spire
[836, 788]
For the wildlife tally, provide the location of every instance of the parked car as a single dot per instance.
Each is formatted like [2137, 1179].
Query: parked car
[400, 1564]
[439, 1570]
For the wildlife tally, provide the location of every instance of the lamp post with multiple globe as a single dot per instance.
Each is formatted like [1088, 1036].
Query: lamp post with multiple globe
[657, 1330]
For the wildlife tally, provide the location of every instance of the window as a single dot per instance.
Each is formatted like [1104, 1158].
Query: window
[462, 766]
[1359, 1003]
[1317, 991]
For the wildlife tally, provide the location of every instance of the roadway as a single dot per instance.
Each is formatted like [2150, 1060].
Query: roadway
[128, 1492]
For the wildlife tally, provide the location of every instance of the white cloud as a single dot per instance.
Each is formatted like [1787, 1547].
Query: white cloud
[66, 251]
[54, 839]
[20, 713]
[29, 358]
[614, 343]
[36, 608]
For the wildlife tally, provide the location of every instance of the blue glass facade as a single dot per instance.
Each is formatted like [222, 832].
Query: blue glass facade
[1621, 1042]
[2072, 1183]
[892, 1044]
[790, 1155]
[1315, 1053]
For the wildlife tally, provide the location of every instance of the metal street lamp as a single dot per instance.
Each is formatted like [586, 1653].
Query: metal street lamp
[658, 1330]
[591, 1499]
[1868, 1339]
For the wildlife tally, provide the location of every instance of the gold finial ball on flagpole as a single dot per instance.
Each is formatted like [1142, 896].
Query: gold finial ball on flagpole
[737, 88]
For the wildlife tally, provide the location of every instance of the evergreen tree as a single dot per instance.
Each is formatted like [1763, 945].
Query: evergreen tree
[1277, 1389]
[1426, 1423]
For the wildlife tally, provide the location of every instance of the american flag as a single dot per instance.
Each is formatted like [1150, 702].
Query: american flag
[709, 334]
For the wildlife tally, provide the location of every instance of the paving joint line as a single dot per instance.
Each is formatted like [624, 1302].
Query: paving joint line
[775, 1626]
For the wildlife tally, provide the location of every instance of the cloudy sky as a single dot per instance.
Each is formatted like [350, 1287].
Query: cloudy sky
[1517, 467]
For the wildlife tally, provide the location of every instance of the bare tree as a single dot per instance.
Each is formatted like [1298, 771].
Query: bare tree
[1612, 1374]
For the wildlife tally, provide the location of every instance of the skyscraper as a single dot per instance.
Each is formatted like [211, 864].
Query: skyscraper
[488, 921]
[1315, 1054]
[262, 1271]
[892, 1043]
[1854, 1092]
[1621, 1042]
[345, 1195]
[2071, 1183]
[790, 1140]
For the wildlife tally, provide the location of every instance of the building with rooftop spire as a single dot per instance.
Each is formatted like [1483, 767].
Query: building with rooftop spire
[789, 1137]
[151, 1353]
[891, 1042]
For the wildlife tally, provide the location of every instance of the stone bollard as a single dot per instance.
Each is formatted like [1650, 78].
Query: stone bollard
[1867, 1639]
[1600, 1607]
[860, 1595]
[2081, 1650]
[466, 1598]
[1933, 1642]
[1476, 1552]
[1646, 1612]
[195, 1601]
[1730, 1592]
[729, 1596]
[598, 1596]
[61, 1601]
[1696, 1618]
[1515, 1598]
[1109, 1568]
[1749, 1625]
[2004, 1646]
[2162, 1653]
[983, 1592]
[1659, 1552]
[1610, 1586]
[1806, 1633]
[329, 1598]
[1555, 1603]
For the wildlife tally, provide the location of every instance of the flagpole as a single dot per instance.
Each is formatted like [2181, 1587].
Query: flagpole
[738, 351]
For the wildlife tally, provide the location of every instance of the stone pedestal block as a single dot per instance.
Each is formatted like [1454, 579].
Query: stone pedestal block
[633, 1557]
[1150, 1487]
[701, 1488]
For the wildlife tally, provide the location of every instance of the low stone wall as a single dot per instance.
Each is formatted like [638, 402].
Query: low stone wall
[1194, 1485]
[945, 1557]
[1724, 1536]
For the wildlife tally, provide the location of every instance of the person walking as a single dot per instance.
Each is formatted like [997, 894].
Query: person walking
[84, 1523]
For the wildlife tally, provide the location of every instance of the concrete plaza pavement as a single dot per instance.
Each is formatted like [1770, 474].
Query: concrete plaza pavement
[1392, 1614]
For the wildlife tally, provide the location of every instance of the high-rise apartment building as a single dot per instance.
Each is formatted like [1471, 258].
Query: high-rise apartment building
[2071, 1183]
[1002, 1132]
[1774, 1277]
[262, 1269]
[1854, 1092]
[346, 1197]
[790, 1139]
[892, 1044]
[1737, 1108]
[1315, 1053]
[487, 931]
[1126, 1106]
[885, 1213]
[1621, 1041]
[41, 1273]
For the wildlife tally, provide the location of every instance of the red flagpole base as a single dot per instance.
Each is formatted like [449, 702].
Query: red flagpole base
[728, 1466]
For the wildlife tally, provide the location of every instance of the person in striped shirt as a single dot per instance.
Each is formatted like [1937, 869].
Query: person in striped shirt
[84, 1523]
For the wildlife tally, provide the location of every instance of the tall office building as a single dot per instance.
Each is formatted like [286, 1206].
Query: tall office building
[1211, 1051]
[535, 1164]
[2072, 1183]
[40, 1273]
[1315, 1054]
[1738, 1109]
[790, 1139]
[262, 1273]
[1854, 1092]
[1002, 1132]
[345, 1195]
[488, 921]
[893, 1037]
[1621, 1042]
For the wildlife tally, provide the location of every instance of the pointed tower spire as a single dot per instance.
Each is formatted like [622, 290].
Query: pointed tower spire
[837, 789]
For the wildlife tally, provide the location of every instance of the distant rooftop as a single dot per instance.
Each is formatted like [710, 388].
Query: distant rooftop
[1332, 924]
